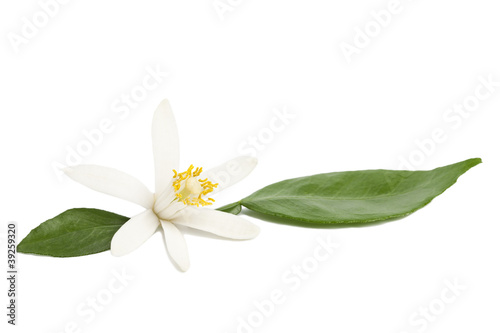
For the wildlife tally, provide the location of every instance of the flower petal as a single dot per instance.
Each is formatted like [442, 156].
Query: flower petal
[165, 145]
[112, 182]
[230, 172]
[134, 233]
[176, 245]
[216, 222]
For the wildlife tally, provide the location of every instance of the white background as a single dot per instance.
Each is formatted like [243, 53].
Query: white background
[226, 76]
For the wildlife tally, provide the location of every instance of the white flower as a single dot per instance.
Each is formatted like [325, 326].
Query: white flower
[177, 198]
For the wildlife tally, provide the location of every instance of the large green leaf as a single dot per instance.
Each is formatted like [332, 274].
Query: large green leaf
[352, 196]
[76, 232]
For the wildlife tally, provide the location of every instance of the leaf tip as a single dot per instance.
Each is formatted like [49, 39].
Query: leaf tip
[472, 162]
[20, 246]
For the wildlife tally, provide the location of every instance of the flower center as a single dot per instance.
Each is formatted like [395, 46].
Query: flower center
[190, 190]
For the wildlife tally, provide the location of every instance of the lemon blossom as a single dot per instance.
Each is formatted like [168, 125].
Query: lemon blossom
[180, 198]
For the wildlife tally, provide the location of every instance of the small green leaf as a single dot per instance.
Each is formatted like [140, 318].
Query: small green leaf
[234, 208]
[76, 232]
[354, 196]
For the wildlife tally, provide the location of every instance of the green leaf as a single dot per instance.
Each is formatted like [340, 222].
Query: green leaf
[353, 196]
[234, 208]
[76, 232]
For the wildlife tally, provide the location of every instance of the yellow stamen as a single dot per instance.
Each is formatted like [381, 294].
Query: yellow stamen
[191, 193]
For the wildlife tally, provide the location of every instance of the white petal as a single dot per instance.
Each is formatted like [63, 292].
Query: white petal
[112, 182]
[171, 210]
[216, 222]
[165, 198]
[165, 145]
[230, 172]
[176, 245]
[134, 233]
